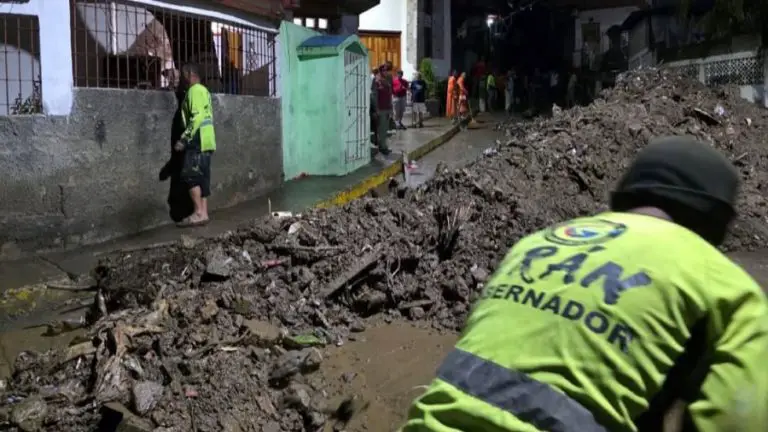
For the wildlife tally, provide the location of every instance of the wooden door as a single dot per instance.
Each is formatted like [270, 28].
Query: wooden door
[382, 47]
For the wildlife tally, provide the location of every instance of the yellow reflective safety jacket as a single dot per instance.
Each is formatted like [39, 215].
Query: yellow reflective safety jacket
[197, 114]
[599, 324]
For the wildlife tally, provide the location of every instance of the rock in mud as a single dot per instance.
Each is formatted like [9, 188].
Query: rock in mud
[272, 426]
[262, 334]
[29, 414]
[295, 362]
[209, 310]
[416, 313]
[230, 423]
[480, 274]
[298, 396]
[146, 395]
[218, 264]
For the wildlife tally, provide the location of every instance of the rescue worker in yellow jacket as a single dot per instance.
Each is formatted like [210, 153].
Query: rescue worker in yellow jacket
[602, 323]
[198, 142]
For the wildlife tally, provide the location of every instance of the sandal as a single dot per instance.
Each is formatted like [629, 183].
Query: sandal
[188, 223]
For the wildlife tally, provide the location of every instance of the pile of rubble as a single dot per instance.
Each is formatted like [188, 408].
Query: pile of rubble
[223, 334]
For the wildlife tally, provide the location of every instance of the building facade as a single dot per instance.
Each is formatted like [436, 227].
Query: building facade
[406, 31]
[88, 112]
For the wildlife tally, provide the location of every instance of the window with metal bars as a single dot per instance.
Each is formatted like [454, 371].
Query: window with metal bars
[121, 44]
[20, 82]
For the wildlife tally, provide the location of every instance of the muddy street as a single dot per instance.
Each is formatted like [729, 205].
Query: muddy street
[336, 318]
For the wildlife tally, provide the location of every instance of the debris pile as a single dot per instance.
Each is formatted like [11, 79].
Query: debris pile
[224, 334]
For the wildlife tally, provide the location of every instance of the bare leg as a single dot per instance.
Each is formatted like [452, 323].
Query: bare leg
[205, 208]
[197, 199]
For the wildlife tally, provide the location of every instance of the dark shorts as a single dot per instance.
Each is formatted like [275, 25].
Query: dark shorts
[197, 171]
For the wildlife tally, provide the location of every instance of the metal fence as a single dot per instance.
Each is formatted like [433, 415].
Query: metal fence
[20, 83]
[744, 68]
[121, 44]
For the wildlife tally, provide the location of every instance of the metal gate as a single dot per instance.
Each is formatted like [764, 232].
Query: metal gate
[356, 96]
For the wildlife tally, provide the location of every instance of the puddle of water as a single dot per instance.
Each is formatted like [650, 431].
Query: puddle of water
[389, 367]
[12, 343]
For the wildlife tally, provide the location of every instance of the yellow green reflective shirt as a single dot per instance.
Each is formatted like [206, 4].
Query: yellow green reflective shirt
[600, 309]
[197, 114]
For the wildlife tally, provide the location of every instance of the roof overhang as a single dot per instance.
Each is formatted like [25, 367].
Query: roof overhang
[583, 5]
[266, 8]
[332, 8]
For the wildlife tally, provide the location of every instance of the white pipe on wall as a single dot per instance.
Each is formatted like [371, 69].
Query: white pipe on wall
[113, 27]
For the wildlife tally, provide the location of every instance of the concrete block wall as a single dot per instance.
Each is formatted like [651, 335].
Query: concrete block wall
[93, 175]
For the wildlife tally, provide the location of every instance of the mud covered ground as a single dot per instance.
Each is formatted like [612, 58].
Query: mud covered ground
[227, 334]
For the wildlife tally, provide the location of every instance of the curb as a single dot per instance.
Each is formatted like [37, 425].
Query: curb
[373, 181]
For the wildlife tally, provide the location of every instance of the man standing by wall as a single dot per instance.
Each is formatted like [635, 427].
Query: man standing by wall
[419, 97]
[198, 142]
[570, 92]
[492, 91]
[509, 92]
[400, 91]
[383, 91]
[373, 112]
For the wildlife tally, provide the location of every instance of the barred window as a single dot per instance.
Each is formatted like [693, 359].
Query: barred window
[20, 83]
[121, 44]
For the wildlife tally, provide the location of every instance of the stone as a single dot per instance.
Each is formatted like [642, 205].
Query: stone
[229, 423]
[188, 242]
[29, 414]
[263, 333]
[298, 396]
[357, 326]
[266, 405]
[316, 419]
[479, 274]
[311, 361]
[209, 310]
[272, 426]
[218, 264]
[294, 362]
[146, 395]
[416, 313]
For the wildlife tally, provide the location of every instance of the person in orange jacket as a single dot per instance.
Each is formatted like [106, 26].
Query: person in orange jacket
[450, 100]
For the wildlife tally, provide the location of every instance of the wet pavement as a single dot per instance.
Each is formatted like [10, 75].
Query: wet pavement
[464, 148]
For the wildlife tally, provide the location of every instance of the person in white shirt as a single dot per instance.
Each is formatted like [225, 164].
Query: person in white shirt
[509, 92]
[570, 93]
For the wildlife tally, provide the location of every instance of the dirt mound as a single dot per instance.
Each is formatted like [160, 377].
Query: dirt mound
[224, 334]
[568, 163]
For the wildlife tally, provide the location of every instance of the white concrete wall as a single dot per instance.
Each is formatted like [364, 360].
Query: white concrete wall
[390, 15]
[55, 52]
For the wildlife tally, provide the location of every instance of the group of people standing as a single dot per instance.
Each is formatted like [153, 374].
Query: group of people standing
[534, 92]
[389, 99]
[491, 87]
